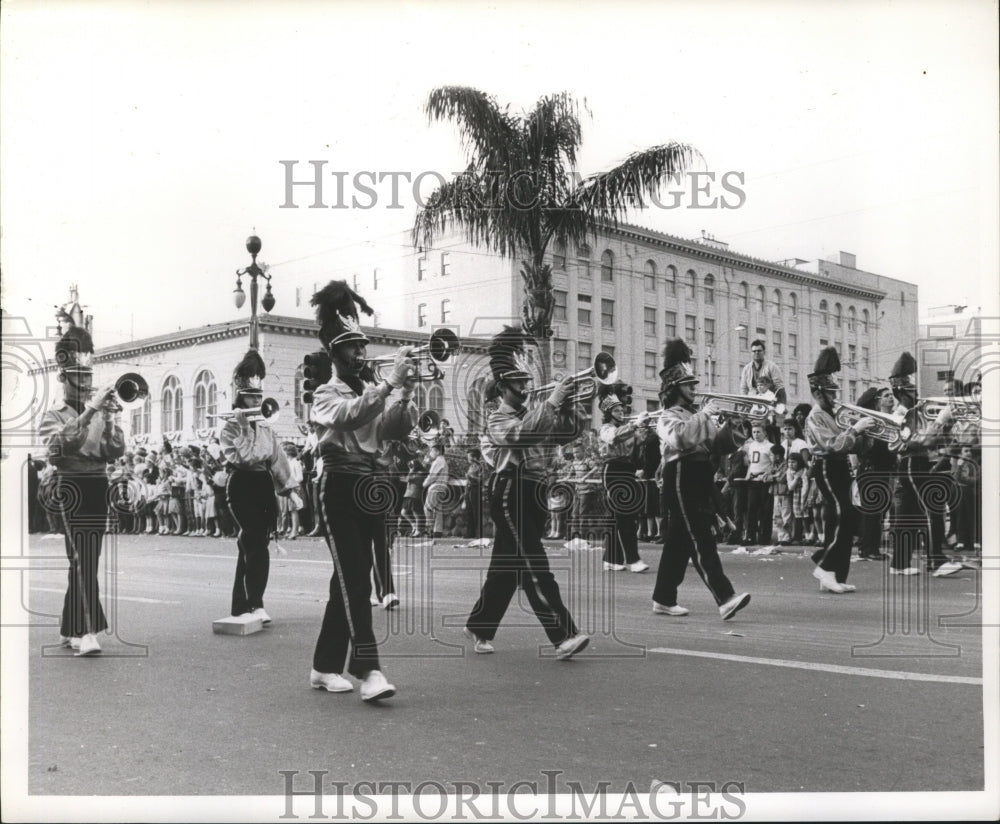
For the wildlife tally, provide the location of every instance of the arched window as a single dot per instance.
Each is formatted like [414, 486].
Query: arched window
[435, 399]
[297, 405]
[709, 289]
[864, 321]
[776, 302]
[171, 406]
[649, 276]
[838, 316]
[671, 281]
[607, 266]
[824, 313]
[793, 303]
[852, 318]
[745, 294]
[141, 417]
[691, 284]
[204, 400]
[420, 396]
[759, 299]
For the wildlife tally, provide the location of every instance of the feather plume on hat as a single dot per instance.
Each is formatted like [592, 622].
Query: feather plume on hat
[508, 353]
[249, 374]
[677, 367]
[337, 313]
[827, 364]
[902, 369]
[75, 350]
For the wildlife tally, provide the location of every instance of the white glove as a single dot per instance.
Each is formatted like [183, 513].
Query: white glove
[562, 391]
[402, 368]
[864, 425]
[101, 396]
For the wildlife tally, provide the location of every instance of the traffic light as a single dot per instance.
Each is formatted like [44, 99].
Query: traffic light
[317, 369]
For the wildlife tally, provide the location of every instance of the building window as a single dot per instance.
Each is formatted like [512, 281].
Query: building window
[865, 359]
[864, 321]
[670, 318]
[652, 406]
[793, 382]
[558, 354]
[823, 342]
[583, 357]
[776, 342]
[204, 400]
[607, 266]
[710, 371]
[671, 281]
[837, 316]
[793, 345]
[608, 350]
[421, 267]
[776, 303]
[422, 314]
[583, 260]
[142, 417]
[559, 307]
[793, 304]
[691, 284]
[852, 356]
[354, 281]
[709, 331]
[745, 295]
[650, 365]
[852, 317]
[583, 309]
[375, 274]
[445, 309]
[759, 298]
[690, 322]
[444, 263]
[559, 257]
[649, 322]
[649, 276]
[607, 314]
[854, 390]
[297, 405]
[709, 289]
[171, 406]
[435, 399]
[761, 333]
[824, 316]
[744, 338]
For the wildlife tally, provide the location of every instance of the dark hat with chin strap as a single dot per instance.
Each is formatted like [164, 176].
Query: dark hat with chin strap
[337, 312]
[75, 351]
[827, 364]
[509, 354]
[677, 369]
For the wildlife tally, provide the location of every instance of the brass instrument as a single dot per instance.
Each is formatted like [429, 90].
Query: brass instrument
[429, 424]
[431, 357]
[963, 409]
[268, 410]
[131, 392]
[604, 371]
[888, 427]
[751, 407]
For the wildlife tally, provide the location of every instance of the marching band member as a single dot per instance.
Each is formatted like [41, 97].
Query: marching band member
[260, 469]
[689, 438]
[914, 476]
[82, 437]
[830, 445]
[624, 493]
[875, 464]
[523, 439]
[353, 427]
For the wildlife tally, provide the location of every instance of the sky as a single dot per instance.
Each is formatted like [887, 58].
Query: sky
[141, 143]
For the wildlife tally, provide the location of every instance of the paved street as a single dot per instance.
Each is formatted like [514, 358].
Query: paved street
[801, 691]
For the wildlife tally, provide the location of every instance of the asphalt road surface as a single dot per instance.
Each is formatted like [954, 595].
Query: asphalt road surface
[876, 690]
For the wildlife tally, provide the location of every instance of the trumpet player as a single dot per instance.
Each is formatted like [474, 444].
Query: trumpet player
[260, 469]
[875, 462]
[523, 439]
[82, 436]
[689, 437]
[624, 492]
[354, 425]
[830, 446]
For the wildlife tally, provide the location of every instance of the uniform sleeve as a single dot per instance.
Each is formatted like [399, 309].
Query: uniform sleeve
[61, 439]
[827, 437]
[505, 429]
[399, 420]
[330, 408]
[774, 372]
[237, 441]
[612, 434]
[112, 443]
[679, 435]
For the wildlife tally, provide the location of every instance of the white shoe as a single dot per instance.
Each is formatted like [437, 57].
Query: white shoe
[66, 641]
[907, 571]
[638, 566]
[391, 601]
[849, 588]
[88, 645]
[572, 645]
[828, 581]
[329, 681]
[734, 605]
[659, 609]
[374, 687]
[480, 645]
[613, 567]
[374, 601]
[264, 617]
[947, 568]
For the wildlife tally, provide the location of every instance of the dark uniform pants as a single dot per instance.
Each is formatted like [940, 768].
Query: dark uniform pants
[625, 498]
[911, 512]
[82, 504]
[354, 524]
[518, 509]
[840, 517]
[687, 497]
[255, 509]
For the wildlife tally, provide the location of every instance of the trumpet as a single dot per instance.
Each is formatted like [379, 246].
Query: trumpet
[604, 371]
[268, 410]
[888, 428]
[131, 392]
[965, 410]
[752, 407]
[431, 357]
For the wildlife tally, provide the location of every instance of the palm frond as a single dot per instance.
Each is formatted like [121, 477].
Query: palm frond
[488, 133]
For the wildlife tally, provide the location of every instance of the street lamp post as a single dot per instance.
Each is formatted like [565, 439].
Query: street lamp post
[253, 271]
[711, 354]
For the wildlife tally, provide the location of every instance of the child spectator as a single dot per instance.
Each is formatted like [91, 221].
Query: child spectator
[759, 463]
[798, 487]
[783, 519]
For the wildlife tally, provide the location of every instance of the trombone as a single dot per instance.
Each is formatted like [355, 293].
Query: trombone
[604, 371]
[267, 411]
[888, 427]
[751, 407]
[431, 357]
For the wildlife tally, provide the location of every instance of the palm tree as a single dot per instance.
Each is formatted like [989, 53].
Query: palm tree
[520, 190]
